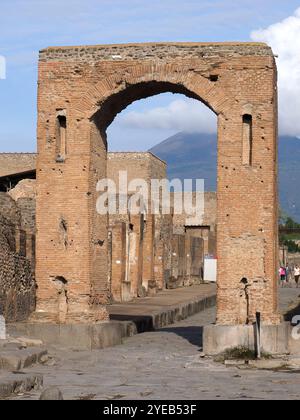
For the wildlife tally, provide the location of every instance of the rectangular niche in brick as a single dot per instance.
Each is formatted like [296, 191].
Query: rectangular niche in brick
[61, 136]
[247, 139]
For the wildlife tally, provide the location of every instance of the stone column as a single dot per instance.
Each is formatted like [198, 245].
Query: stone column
[247, 216]
[136, 254]
[118, 260]
[71, 242]
[148, 252]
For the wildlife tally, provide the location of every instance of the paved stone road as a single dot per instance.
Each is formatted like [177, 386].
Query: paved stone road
[164, 365]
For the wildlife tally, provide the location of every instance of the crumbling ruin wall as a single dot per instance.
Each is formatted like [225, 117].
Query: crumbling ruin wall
[196, 260]
[12, 163]
[188, 216]
[163, 250]
[27, 211]
[137, 165]
[24, 194]
[145, 236]
[118, 261]
[17, 284]
[178, 262]
[187, 261]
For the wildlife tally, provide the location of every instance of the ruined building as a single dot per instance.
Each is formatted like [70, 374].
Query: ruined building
[17, 258]
[146, 252]
[81, 90]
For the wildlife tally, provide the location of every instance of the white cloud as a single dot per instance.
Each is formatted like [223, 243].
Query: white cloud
[190, 115]
[180, 115]
[284, 38]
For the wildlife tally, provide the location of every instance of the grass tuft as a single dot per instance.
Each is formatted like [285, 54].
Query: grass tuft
[240, 353]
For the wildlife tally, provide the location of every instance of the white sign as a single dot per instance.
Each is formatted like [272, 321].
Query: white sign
[210, 270]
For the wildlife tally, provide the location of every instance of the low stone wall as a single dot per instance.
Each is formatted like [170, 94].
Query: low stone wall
[14, 163]
[17, 284]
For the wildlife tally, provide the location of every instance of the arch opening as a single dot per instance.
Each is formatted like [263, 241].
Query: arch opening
[119, 101]
[158, 250]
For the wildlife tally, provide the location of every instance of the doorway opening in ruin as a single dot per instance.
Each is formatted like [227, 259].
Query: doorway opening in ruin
[154, 134]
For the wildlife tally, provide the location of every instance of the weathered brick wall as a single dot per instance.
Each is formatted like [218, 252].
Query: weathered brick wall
[24, 194]
[9, 209]
[132, 256]
[17, 284]
[13, 163]
[163, 250]
[145, 166]
[145, 243]
[119, 261]
[151, 51]
[207, 235]
[188, 218]
[26, 188]
[89, 86]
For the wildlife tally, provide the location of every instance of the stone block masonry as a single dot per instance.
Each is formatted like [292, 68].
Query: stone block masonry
[17, 284]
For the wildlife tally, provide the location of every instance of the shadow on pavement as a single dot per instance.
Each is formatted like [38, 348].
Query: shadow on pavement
[143, 323]
[193, 334]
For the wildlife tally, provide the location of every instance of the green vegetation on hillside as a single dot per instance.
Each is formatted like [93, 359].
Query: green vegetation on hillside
[194, 156]
[286, 223]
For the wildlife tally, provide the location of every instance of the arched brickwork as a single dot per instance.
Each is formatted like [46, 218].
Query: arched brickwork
[168, 78]
[81, 90]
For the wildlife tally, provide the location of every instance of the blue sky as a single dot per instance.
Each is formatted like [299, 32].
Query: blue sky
[26, 26]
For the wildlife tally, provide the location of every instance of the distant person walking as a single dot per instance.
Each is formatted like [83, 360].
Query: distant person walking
[282, 274]
[297, 275]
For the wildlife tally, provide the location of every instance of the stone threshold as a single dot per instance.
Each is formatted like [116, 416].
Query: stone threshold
[166, 308]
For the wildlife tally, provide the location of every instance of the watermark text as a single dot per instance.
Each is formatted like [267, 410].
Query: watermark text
[2, 67]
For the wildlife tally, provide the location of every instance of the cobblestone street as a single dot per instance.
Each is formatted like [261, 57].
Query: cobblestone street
[165, 364]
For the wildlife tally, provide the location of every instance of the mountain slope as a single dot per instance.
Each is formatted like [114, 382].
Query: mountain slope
[190, 156]
[195, 156]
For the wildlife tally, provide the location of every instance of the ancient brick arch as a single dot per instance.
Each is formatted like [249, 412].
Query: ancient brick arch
[143, 81]
[81, 89]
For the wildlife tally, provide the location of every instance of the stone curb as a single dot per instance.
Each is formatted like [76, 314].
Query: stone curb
[138, 324]
[110, 333]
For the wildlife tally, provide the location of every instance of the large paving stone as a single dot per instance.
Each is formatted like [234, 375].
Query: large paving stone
[275, 339]
[15, 360]
[51, 394]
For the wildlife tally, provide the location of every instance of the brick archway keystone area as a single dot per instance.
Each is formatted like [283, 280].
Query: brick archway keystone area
[81, 90]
